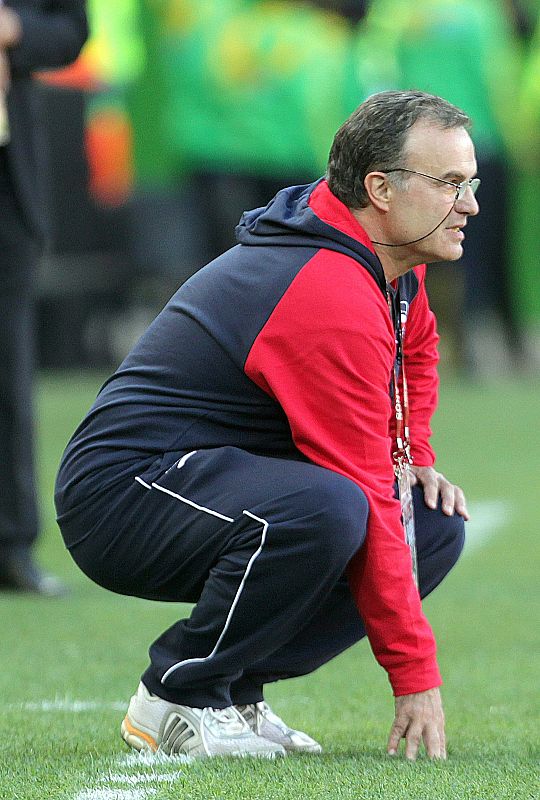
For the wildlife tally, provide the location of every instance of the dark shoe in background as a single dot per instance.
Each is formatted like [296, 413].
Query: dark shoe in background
[20, 573]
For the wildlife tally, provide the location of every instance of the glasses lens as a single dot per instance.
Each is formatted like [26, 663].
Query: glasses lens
[473, 184]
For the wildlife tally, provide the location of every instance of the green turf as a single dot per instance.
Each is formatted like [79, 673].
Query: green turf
[92, 648]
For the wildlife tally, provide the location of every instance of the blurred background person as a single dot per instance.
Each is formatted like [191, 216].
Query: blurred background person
[194, 112]
[89, 284]
[353, 10]
[526, 196]
[236, 98]
[34, 34]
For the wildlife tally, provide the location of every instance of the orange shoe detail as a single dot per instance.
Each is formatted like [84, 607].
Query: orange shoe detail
[135, 732]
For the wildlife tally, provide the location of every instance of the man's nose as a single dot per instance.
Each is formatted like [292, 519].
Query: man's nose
[468, 204]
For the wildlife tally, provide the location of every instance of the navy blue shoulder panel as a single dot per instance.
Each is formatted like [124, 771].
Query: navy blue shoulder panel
[408, 287]
[232, 297]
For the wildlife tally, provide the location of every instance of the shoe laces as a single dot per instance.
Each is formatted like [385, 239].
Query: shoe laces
[228, 717]
[257, 714]
[264, 710]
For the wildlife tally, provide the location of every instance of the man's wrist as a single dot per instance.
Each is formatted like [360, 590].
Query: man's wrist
[416, 676]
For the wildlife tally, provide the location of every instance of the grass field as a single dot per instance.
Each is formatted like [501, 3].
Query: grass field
[68, 667]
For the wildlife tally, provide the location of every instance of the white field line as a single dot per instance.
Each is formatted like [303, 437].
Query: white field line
[115, 794]
[131, 786]
[133, 783]
[65, 704]
[145, 759]
[487, 519]
[143, 777]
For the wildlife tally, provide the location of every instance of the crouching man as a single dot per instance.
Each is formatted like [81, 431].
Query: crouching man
[246, 454]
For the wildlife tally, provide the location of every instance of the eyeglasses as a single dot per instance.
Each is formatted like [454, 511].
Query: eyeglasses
[460, 188]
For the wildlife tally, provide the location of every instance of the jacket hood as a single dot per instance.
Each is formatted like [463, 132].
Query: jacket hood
[309, 216]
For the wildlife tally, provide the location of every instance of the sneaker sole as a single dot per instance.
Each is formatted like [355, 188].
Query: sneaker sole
[143, 742]
[315, 750]
[136, 738]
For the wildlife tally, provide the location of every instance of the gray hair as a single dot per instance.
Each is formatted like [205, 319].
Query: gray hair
[373, 138]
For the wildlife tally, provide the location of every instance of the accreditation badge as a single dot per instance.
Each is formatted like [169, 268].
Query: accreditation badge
[407, 514]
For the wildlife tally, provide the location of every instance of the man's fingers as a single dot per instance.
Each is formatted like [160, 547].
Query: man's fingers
[448, 497]
[419, 717]
[442, 738]
[431, 491]
[461, 504]
[432, 736]
[435, 484]
[453, 499]
[432, 742]
[396, 734]
[413, 739]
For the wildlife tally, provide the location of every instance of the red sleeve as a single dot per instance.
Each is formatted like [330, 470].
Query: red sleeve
[421, 359]
[326, 355]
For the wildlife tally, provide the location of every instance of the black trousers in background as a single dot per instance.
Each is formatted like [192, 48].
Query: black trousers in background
[19, 253]
[261, 546]
[486, 255]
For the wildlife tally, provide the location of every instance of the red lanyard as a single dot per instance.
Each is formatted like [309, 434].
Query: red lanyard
[402, 455]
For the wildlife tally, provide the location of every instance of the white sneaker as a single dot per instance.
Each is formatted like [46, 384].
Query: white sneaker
[153, 724]
[262, 721]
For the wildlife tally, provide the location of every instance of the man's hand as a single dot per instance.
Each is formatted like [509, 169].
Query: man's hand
[10, 27]
[419, 717]
[435, 484]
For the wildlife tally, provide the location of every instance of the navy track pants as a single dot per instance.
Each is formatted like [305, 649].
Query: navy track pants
[260, 545]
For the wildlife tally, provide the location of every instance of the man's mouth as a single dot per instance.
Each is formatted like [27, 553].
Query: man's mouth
[458, 233]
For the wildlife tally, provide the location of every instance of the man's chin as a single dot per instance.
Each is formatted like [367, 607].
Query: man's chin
[452, 253]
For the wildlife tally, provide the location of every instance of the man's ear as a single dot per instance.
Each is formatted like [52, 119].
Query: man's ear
[379, 190]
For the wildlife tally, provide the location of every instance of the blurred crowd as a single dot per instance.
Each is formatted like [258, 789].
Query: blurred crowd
[180, 114]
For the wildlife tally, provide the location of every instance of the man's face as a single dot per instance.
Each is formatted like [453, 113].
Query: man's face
[422, 203]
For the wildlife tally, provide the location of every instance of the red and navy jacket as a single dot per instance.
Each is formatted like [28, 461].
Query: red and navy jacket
[284, 343]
